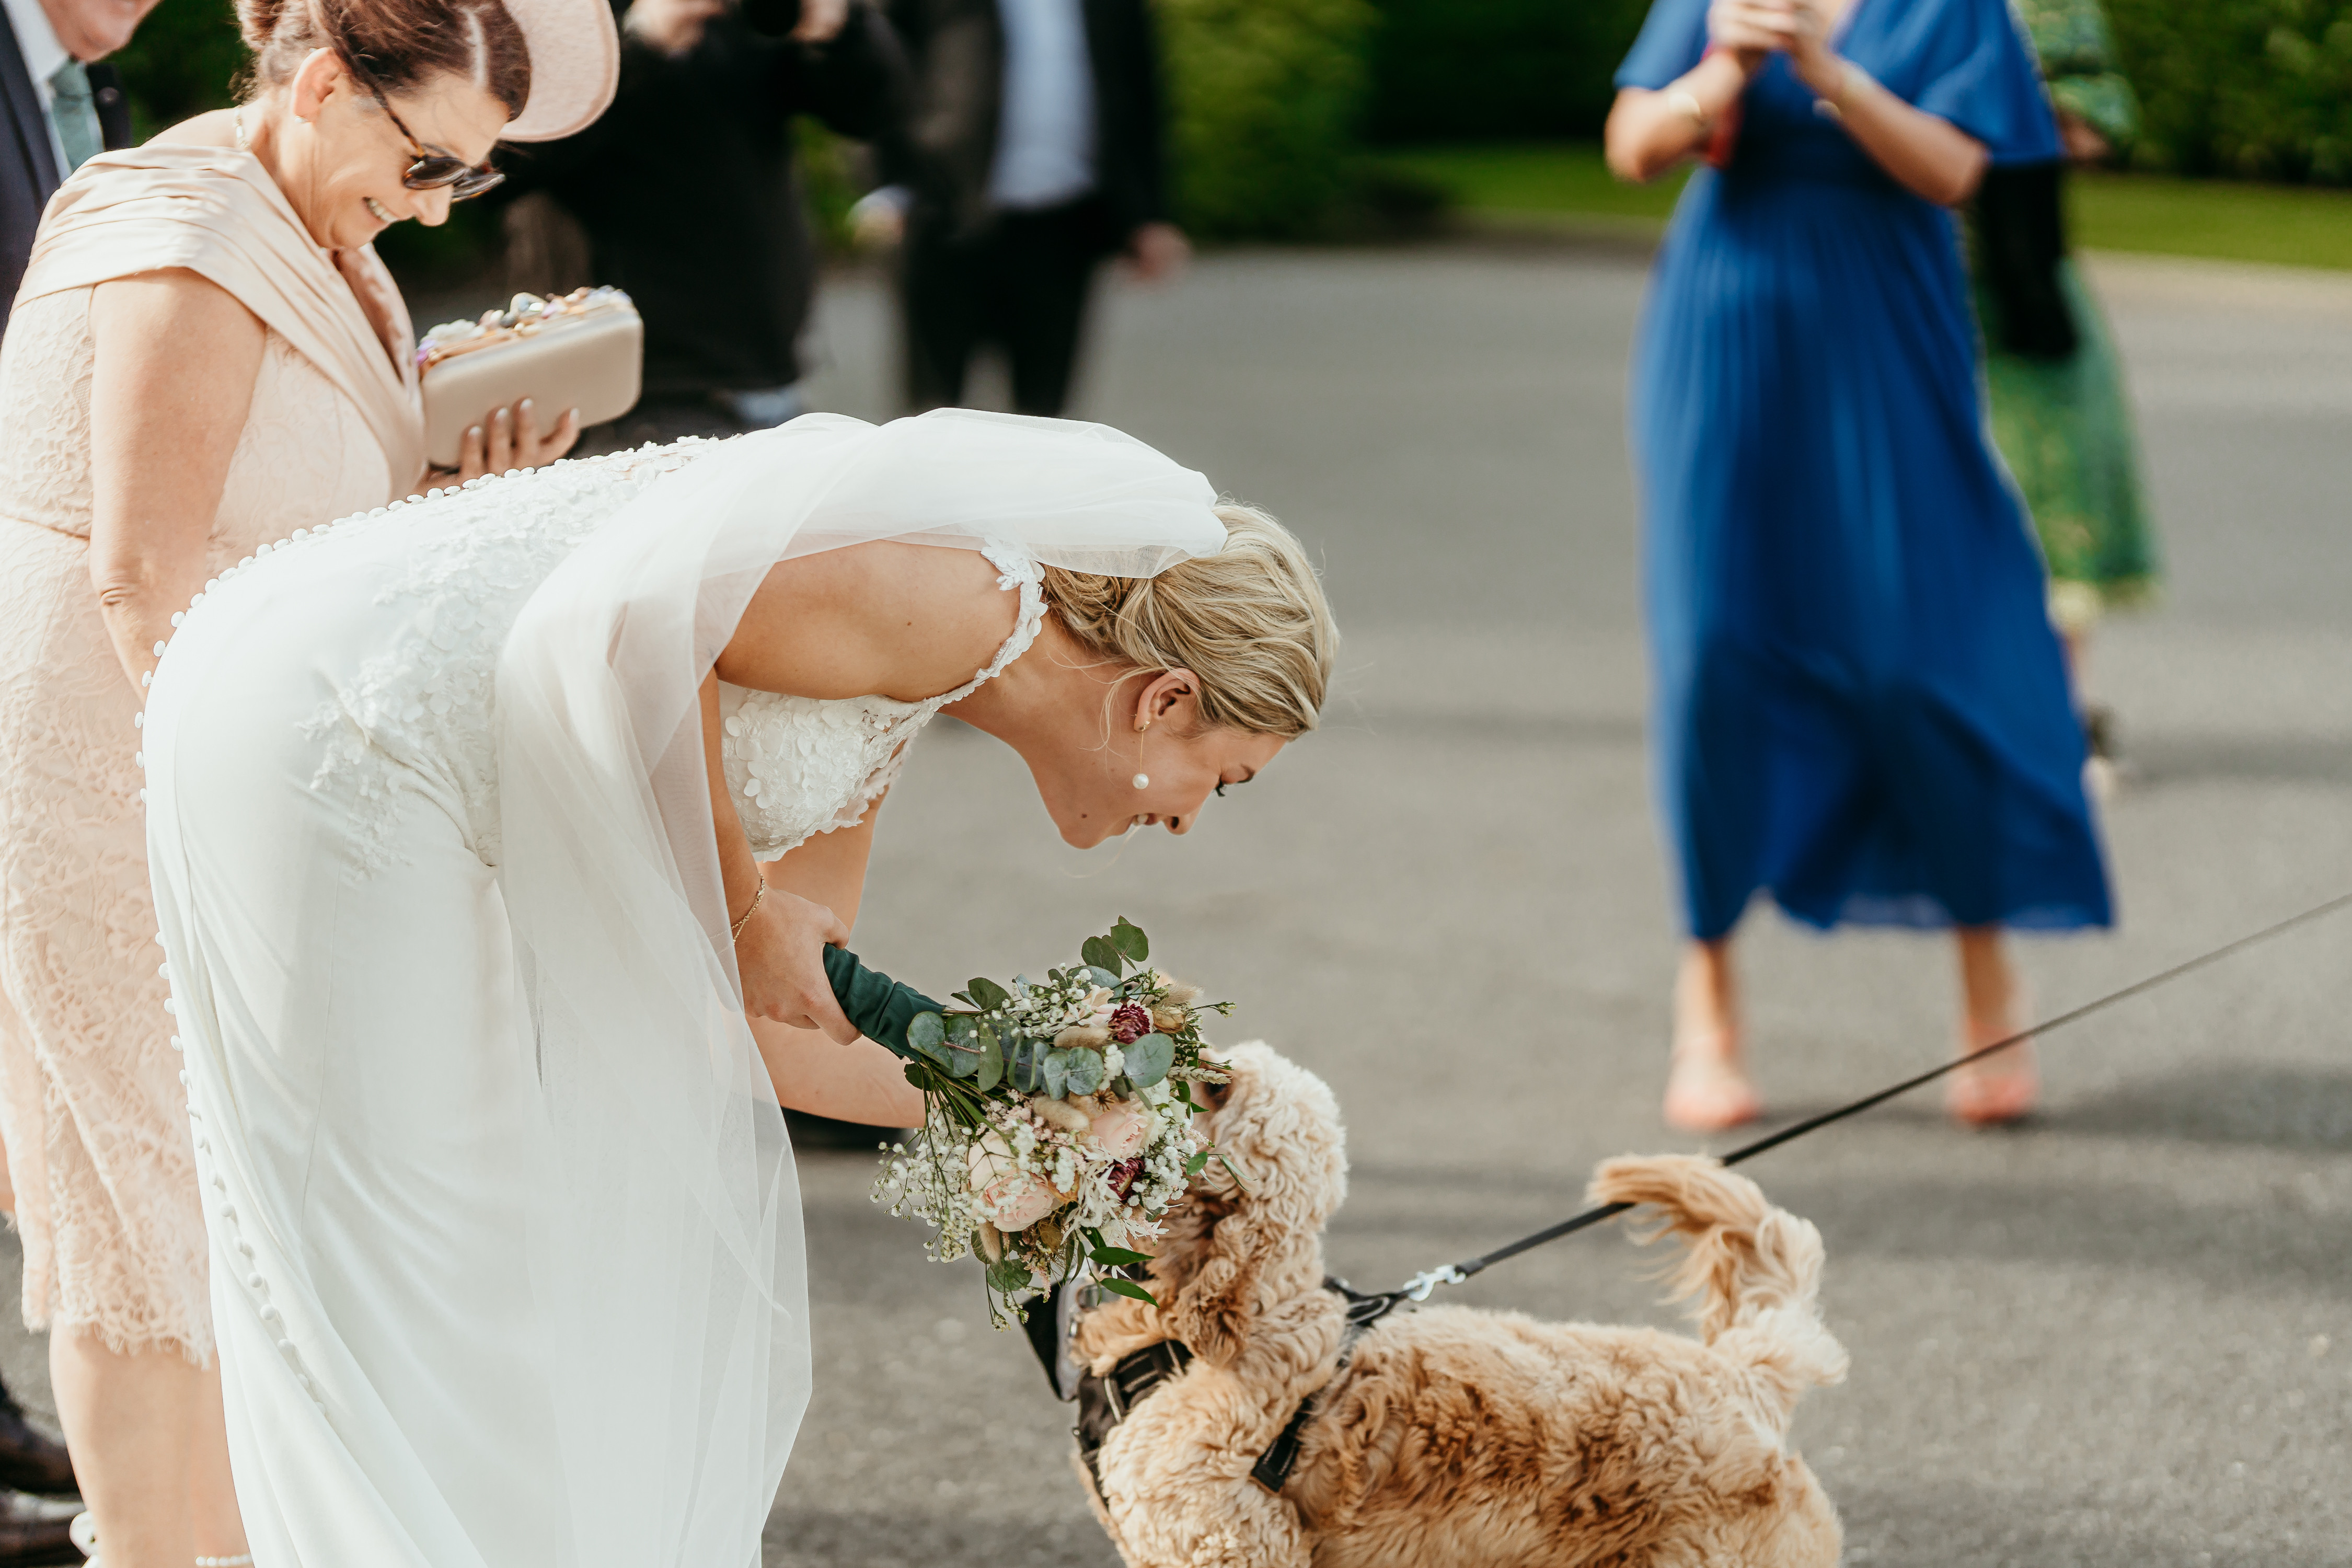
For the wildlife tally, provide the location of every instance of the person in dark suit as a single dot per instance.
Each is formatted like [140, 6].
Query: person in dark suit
[58, 107]
[1033, 153]
[686, 190]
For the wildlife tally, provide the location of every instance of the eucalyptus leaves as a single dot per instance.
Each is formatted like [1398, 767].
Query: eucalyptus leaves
[1059, 1126]
[1010, 1035]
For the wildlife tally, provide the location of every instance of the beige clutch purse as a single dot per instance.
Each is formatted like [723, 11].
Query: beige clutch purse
[585, 350]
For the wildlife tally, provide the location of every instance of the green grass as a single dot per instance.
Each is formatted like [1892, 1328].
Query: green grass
[1563, 178]
[1566, 183]
[2296, 225]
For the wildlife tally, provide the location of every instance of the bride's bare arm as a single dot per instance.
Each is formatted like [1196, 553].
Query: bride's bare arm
[780, 947]
[905, 621]
[174, 363]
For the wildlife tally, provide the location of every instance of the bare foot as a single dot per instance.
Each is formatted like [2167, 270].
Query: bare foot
[2004, 1087]
[1707, 1092]
[1994, 1007]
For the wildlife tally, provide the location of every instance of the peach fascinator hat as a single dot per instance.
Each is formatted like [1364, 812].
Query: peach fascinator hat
[575, 61]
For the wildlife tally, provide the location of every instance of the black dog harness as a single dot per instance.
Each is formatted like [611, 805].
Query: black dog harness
[1104, 1402]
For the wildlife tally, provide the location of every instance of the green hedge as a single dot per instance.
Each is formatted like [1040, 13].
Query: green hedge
[2251, 88]
[1486, 70]
[180, 62]
[1267, 100]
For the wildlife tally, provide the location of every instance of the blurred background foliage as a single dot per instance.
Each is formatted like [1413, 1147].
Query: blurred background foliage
[1495, 70]
[183, 60]
[1267, 101]
[2241, 88]
[1287, 114]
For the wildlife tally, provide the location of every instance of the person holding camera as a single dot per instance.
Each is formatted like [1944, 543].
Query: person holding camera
[687, 194]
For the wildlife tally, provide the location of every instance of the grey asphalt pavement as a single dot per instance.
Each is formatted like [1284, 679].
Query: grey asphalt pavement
[2121, 1334]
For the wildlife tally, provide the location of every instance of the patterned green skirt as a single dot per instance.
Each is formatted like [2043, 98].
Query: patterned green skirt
[2066, 432]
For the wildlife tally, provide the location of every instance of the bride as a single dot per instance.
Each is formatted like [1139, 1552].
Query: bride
[479, 824]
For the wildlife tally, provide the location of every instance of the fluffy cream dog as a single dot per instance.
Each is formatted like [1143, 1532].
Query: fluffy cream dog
[1450, 1436]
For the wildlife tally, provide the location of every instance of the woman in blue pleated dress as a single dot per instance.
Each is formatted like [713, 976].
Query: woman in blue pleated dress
[1861, 706]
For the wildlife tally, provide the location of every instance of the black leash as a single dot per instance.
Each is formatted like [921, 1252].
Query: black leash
[1419, 1287]
[1140, 1373]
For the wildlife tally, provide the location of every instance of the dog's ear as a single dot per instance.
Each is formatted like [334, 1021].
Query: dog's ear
[1212, 1310]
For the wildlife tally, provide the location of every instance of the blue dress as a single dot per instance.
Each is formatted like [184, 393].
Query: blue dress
[1861, 706]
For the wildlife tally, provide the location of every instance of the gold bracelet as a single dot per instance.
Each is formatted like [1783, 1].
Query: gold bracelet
[1834, 108]
[1686, 100]
[736, 934]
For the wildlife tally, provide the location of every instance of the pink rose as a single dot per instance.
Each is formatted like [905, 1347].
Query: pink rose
[1018, 1201]
[1009, 1195]
[1121, 1128]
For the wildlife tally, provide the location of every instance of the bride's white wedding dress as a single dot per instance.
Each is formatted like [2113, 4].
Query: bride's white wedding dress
[506, 1265]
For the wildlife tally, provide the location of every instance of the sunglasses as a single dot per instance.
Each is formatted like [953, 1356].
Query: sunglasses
[434, 168]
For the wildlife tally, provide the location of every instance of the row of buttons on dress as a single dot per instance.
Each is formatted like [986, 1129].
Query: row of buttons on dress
[226, 1211]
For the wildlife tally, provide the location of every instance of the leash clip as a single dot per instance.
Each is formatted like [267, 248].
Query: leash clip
[1418, 1288]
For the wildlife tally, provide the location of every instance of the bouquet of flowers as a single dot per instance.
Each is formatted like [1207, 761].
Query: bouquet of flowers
[1057, 1126]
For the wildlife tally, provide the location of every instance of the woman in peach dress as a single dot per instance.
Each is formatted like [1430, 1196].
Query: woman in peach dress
[206, 356]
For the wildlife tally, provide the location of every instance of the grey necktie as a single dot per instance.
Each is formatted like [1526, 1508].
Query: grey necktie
[74, 115]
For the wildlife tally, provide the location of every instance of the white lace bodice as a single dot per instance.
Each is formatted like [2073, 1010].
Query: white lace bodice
[798, 767]
[412, 709]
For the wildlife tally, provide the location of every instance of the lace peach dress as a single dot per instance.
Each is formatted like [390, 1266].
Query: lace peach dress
[90, 1105]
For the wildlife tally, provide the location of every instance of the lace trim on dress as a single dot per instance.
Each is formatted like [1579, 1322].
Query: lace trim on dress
[797, 766]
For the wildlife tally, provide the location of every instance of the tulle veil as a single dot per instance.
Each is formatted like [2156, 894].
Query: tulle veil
[670, 1263]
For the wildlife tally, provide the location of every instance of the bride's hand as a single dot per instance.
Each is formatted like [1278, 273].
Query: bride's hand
[780, 955]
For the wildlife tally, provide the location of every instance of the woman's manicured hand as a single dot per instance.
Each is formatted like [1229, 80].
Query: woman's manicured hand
[780, 955]
[509, 438]
[1819, 66]
[1751, 30]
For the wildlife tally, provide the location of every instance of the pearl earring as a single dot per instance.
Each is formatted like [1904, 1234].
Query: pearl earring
[1142, 781]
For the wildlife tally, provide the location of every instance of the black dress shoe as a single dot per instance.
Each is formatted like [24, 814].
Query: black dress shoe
[37, 1530]
[30, 1459]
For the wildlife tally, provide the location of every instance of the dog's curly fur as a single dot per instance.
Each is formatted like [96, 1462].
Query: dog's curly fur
[1456, 1436]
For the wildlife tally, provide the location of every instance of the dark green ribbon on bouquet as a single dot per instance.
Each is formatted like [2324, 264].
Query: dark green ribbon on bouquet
[881, 1007]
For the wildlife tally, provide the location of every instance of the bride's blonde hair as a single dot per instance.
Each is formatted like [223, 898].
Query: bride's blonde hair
[1250, 621]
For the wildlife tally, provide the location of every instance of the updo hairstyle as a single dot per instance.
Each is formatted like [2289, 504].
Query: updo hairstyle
[1250, 621]
[400, 43]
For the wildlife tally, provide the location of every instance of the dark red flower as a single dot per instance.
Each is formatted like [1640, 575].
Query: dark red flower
[1129, 1024]
[1123, 1175]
